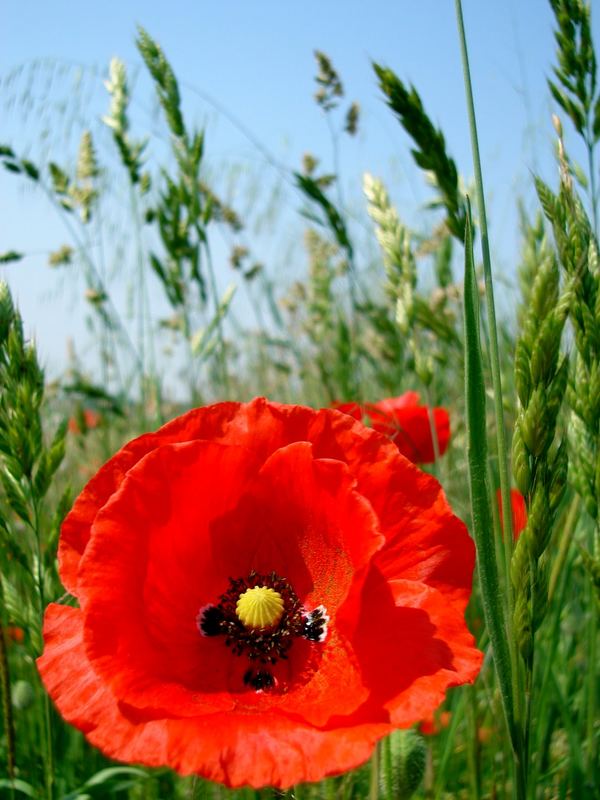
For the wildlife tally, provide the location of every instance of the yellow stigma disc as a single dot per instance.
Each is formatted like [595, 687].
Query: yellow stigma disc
[259, 607]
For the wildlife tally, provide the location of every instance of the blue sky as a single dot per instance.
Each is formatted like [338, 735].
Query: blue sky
[256, 60]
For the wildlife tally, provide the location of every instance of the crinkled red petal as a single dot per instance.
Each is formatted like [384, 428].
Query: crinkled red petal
[409, 427]
[185, 519]
[412, 647]
[237, 749]
[207, 422]
[518, 511]
[148, 569]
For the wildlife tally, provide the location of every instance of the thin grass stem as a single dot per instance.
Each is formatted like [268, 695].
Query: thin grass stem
[503, 469]
[7, 709]
[374, 777]
[493, 607]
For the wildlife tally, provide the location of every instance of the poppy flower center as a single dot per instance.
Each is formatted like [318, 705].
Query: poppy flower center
[260, 617]
[260, 607]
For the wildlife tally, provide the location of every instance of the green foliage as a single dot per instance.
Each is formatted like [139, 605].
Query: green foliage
[430, 151]
[332, 216]
[575, 90]
[362, 323]
[10, 256]
[479, 488]
[404, 767]
[165, 81]
[118, 121]
[330, 84]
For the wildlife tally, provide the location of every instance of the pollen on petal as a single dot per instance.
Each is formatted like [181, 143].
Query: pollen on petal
[260, 607]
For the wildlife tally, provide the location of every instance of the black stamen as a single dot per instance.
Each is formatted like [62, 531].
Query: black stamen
[262, 647]
[210, 621]
[315, 625]
[259, 679]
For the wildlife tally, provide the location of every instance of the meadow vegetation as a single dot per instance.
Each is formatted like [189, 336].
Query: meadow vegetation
[523, 398]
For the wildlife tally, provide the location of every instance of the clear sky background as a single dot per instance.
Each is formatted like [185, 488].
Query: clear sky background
[255, 60]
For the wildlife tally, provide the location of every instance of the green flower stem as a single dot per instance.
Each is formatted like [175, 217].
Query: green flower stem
[456, 718]
[386, 754]
[498, 405]
[473, 747]
[7, 711]
[592, 675]
[37, 532]
[374, 782]
[493, 607]
[490, 306]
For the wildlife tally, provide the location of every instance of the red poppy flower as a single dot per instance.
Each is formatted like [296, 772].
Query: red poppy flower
[89, 418]
[264, 592]
[406, 422]
[15, 633]
[435, 723]
[518, 511]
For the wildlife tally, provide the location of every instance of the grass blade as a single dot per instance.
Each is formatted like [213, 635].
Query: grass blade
[478, 486]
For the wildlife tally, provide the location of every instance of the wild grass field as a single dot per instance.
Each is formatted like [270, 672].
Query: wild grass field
[273, 598]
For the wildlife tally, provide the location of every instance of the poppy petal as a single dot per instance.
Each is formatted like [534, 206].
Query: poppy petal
[413, 649]
[245, 749]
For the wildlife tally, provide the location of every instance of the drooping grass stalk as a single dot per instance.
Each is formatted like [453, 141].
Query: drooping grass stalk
[100, 285]
[493, 607]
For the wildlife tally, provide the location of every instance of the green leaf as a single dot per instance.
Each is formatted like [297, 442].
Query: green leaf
[313, 192]
[10, 255]
[30, 169]
[483, 527]
[18, 786]
[201, 341]
[105, 776]
[50, 461]
[15, 496]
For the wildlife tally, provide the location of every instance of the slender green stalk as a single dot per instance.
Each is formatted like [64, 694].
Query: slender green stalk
[489, 299]
[7, 710]
[49, 757]
[220, 333]
[374, 781]
[592, 173]
[592, 678]
[493, 607]
[448, 748]
[473, 748]
[503, 468]
[432, 430]
[83, 250]
[386, 754]
[142, 291]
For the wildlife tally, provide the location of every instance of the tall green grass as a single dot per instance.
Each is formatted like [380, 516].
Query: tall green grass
[529, 408]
